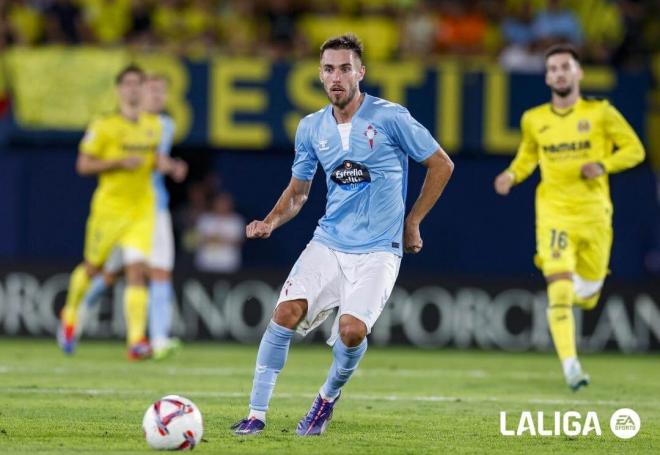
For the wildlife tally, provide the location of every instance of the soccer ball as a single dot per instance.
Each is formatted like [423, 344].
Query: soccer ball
[173, 423]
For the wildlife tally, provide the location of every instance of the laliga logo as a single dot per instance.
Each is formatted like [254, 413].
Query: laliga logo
[569, 424]
[624, 423]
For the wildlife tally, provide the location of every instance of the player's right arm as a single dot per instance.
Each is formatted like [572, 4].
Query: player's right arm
[91, 159]
[295, 194]
[88, 165]
[523, 164]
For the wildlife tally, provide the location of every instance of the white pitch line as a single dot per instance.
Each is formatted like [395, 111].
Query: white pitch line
[360, 397]
[222, 371]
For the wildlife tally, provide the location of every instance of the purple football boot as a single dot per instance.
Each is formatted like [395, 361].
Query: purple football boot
[318, 417]
[248, 427]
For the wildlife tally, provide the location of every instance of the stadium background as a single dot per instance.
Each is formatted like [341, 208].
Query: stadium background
[244, 72]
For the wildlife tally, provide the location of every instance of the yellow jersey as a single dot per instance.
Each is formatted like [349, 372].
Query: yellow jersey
[113, 137]
[561, 142]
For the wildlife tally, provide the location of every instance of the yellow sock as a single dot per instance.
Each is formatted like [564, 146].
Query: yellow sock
[78, 285]
[588, 303]
[135, 312]
[560, 318]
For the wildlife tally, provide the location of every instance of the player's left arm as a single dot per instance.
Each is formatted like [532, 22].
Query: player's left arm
[418, 143]
[439, 168]
[630, 150]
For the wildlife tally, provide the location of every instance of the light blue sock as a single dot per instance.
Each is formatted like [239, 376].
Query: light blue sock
[272, 354]
[96, 288]
[345, 363]
[160, 309]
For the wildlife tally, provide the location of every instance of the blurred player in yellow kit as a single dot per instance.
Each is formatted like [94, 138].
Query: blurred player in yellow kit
[576, 142]
[120, 148]
[161, 261]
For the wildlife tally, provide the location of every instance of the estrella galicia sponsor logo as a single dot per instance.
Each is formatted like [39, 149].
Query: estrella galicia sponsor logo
[625, 423]
[351, 176]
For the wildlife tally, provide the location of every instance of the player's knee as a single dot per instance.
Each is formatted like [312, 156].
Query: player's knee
[90, 269]
[587, 292]
[160, 275]
[110, 278]
[136, 274]
[289, 314]
[351, 330]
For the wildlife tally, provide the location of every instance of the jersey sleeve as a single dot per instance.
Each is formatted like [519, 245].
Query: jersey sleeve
[305, 160]
[527, 157]
[167, 135]
[413, 138]
[630, 150]
[94, 140]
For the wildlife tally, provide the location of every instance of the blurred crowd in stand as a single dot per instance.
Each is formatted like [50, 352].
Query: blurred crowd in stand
[617, 32]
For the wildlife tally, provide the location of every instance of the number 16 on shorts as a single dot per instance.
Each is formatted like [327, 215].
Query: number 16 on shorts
[558, 241]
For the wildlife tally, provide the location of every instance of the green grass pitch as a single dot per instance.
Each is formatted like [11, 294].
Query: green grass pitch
[402, 400]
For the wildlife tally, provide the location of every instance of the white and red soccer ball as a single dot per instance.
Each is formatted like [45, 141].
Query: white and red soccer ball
[173, 423]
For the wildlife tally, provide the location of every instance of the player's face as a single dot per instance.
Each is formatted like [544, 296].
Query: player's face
[562, 74]
[155, 95]
[130, 89]
[341, 73]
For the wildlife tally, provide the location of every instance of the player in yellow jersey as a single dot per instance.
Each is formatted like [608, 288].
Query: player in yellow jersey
[121, 148]
[577, 143]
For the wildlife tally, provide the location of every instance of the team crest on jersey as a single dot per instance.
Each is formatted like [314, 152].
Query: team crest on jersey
[371, 133]
[584, 126]
[351, 176]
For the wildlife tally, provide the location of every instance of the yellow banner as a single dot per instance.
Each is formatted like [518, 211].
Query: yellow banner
[59, 88]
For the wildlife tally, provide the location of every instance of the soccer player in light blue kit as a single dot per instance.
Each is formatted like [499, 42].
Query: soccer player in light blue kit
[363, 144]
[161, 262]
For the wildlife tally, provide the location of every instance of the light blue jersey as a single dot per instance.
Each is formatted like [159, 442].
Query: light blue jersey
[164, 148]
[367, 180]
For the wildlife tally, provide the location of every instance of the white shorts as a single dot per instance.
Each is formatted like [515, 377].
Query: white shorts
[121, 257]
[162, 251]
[359, 284]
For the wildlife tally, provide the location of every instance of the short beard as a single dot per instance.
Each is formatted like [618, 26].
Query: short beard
[563, 93]
[342, 104]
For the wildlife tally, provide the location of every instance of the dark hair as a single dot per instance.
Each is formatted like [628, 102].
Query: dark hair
[157, 77]
[562, 48]
[347, 41]
[132, 68]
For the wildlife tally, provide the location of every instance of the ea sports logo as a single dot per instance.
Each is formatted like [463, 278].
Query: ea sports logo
[625, 423]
